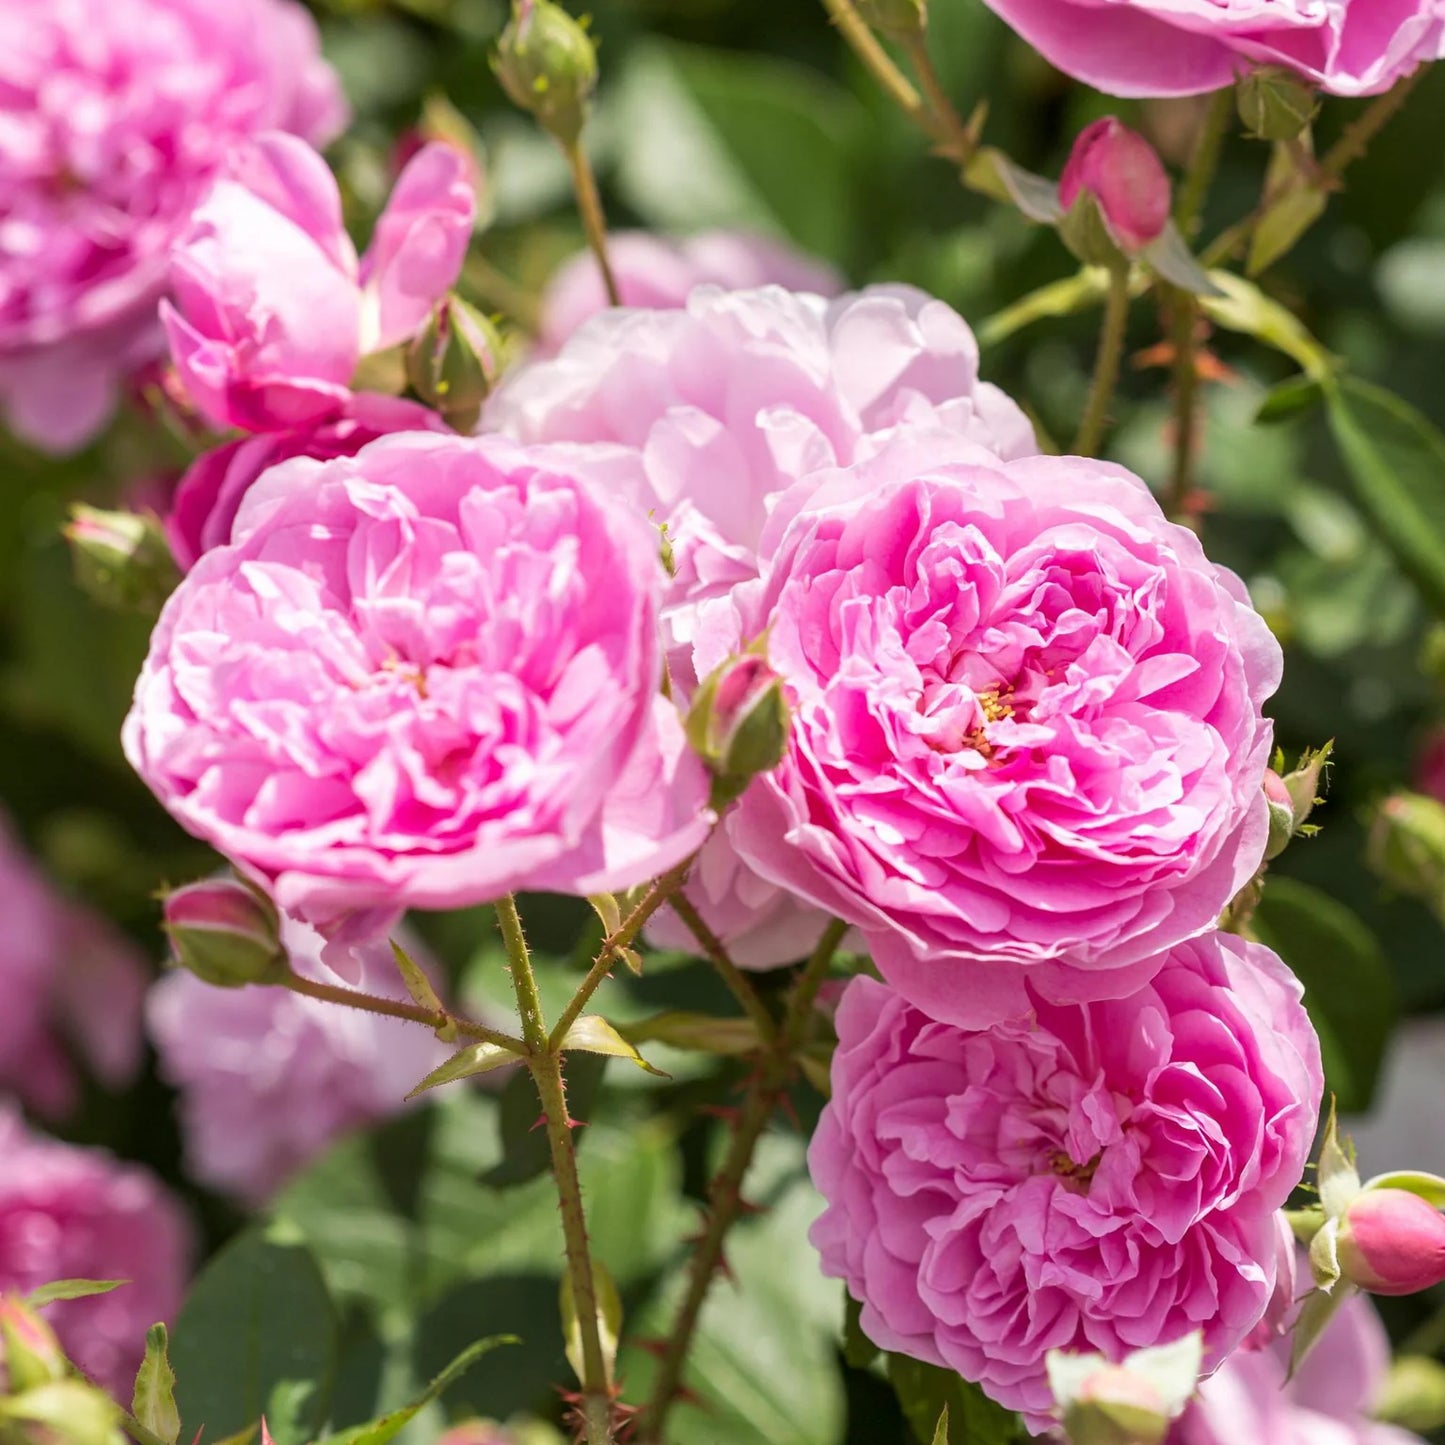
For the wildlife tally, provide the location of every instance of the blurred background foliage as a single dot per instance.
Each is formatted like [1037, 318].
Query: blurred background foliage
[439, 1228]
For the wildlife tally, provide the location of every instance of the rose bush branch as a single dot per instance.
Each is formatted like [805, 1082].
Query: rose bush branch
[1106, 364]
[728, 971]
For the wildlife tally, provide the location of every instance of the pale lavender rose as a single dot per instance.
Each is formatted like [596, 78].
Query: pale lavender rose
[114, 117]
[1186, 47]
[660, 273]
[424, 676]
[71, 1213]
[1098, 1177]
[272, 310]
[1027, 741]
[269, 1079]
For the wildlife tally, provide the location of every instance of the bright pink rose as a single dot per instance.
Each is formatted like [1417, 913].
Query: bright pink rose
[660, 273]
[114, 116]
[272, 309]
[269, 1080]
[1186, 47]
[423, 676]
[1096, 1177]
[1027, 739]
[69, 1213]
[1120, 169]
[209, 495]
[1250, 1401]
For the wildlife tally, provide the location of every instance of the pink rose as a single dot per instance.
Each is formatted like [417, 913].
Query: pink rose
[272, 309]
[268, 1079]
[114, 116]
[660, 273]
[1027, 741]
[69, 1213]
[423, 676]
[1098, 1177]
[209, 495]
[1186, 47]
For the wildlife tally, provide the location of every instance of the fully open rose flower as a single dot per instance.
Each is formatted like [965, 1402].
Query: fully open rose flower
[1026, 729]
[273, 311]
[1185, 47]
[1098, 1177]
[69, 1213]
[114, 116]
[424, 676]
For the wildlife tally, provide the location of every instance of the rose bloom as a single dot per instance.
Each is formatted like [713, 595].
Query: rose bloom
[660, 273]
[1186, 47]
[269, 1079]
[426, 676]
[114, 116]
[1095, 1177]
[1027, 739]
[71, 1213]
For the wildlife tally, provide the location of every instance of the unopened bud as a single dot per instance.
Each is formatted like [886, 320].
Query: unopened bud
[1275, 104]
[547, 64]
[30, 1354]
[1392, 1242]
[1281, 814]
[1115, 1406]
[452, 363]
[477, 1432]
[738, 723]
[1406, 846]
[60, 1412]
[897, 19]
[1414, 1394]
[1116, 170]
[225, 933]
[122, 559]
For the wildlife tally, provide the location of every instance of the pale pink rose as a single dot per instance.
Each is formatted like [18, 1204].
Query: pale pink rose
[1250, 1401]
[1027, 741]
[272, 310]
[1098, 1177]
[114, 116]
[660, 273]
[70, 1213]
[268, 1079]
[1186, 47]
[424, 676]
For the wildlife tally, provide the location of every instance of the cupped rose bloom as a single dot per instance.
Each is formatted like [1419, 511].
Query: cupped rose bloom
[660, 273]
[114, 117]
[71, 1213]
[423, 676]
[269, 1079]
[273, 311]
[1094, 1178]
[1186, 47]
[204, 506]
[1027, 741]
[1252, 1400]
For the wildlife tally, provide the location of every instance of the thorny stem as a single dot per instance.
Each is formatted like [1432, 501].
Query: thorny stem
[865, 45]
[594, 222]
[545, 1064]
[1184, 320]
[957, 141]
[730, 973]
[725, 1201]
[1204, 162]
[1106, 365]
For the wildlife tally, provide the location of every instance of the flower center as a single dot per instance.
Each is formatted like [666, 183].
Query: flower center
[1077, 1177]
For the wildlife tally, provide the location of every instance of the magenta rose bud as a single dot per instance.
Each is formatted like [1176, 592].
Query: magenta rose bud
[1392, 1242]
[1120, 170]
[224, 932]
[738, 723]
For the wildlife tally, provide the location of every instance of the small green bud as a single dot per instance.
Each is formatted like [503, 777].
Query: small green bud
[897, 19]
[1406, 846]
[1414, 1395]
[225, 933]
[1281, 815]
[1115, 1422]
[60, 1412]
[738, 724]
[547, 64]
[1128, 1403]
[1275, 104]
[122, 559]
[452, 363]
[30, 1354]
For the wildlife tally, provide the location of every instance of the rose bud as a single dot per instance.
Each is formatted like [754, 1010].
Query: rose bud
[1406, 846]
[122, 559]
[1275, 104]
[1117, 169]
[738, 724]
[225, 933]
[1281, 814]
[452, 363]
[547, 64]
[1116, 1406]
[30, 1354]
[1392, 1242]
[61, 1412]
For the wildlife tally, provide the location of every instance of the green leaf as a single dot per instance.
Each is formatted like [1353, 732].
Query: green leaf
[609, 1321]
[1170, 257]
[1396, 459]
[380, 1432]
[1283, 224]
[1349, 988]
[925, 1392]
[1319, 1308]
[468, 1063]
[1430, 1187]
[940, 1434]
[1290, 399]
[257, 1336]
[1243, 307]
[704, 1033]
[155, 1386]
[858, 1349]
[418, 985]
[592, 1034]
[71, 1289]
[1037, 197]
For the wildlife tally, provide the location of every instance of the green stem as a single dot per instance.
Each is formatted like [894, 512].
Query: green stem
[728, 971]
[1184, 317]
[1204, 162]
[725, 1200]
[1056, 298]
[545, 1065]
[956, 140]
[499, 292]
[594, 221]
[1106, 365]
[852, 27]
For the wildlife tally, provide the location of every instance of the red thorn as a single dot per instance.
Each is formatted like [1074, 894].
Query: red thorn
[656, 1348]
[729, 1112]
